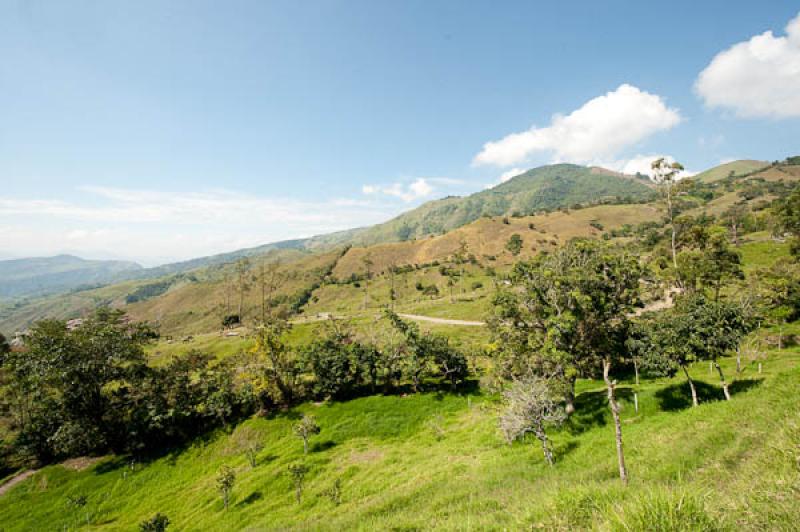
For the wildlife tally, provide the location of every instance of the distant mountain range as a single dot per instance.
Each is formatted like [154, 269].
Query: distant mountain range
[49, 275]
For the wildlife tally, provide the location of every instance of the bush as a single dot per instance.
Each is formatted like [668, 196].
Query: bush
[157, 523]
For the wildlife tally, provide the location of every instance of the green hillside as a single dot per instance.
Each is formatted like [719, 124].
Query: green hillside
[436, 461]
[540, 189]
[736, 168]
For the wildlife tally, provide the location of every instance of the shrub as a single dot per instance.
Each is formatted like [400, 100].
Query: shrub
[225, 481]
[157, 523]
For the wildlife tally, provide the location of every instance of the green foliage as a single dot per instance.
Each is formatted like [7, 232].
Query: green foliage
[305, 428]
[149, 290]
[298, 472]
[514, 244]
[423, 354]
[157, 523]
[226, 478]
[564, 312]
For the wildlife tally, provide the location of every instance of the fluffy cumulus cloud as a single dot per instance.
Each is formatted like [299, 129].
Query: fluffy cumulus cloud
[759, 77]
[598, 130]
[420, 188]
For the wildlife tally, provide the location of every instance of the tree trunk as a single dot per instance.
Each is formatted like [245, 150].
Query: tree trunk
[636, 370]
[636, 402]
[548, 454]
[724, 384]
[738, 359]
[612, 403]
[305, 445]
[691, 386]
[672, 227]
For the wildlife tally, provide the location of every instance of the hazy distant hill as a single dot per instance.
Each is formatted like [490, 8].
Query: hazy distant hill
[48, 275]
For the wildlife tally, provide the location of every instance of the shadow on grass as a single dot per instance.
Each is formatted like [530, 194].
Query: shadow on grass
[679, 396]
[261, 460]
[561, 451]
[322, 446]
[743, 385]
[250, 499]
[591, 409]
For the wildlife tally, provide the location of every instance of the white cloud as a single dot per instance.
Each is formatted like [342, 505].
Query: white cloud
[600, 128]
[756, 78]
[514, 172]
[418, 189]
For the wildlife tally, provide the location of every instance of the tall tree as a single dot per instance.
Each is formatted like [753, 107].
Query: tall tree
[242, 267]
[366, 260]
[665, 174]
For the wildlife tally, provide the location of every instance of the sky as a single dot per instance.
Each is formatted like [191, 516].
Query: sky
[158, 131]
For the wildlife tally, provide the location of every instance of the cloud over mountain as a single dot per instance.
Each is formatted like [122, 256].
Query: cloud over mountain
[600, 129]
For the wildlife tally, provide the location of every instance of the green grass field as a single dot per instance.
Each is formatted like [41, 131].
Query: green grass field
[436, 461]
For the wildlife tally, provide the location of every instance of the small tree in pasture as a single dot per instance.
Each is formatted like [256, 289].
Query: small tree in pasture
[225, 481]
[530, 407]
[305, 428]
[298, 474]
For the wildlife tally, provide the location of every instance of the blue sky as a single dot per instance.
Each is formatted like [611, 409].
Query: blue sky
[167, 130]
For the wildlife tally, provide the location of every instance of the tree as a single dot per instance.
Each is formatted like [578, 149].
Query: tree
[4, 347]
[366, 260]
[514, 244]
[157, 523]
[306, 428]
[530, 406]
[272, 362]
[66, 382]
[551, 318]
[269, 280]
[699, 329]
[565, 314]
[298, 473]
[242, 267]
[225, 481]
[722, 263]
[735, 217]
[665, 174]
[787, 213]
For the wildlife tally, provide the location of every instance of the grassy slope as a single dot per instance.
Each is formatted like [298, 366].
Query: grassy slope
[436, 461]
[724, 170]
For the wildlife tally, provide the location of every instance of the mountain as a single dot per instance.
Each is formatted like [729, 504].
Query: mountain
[49, 275]
[540, 189]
